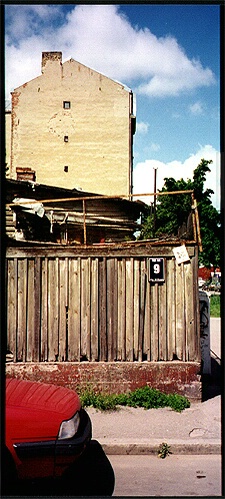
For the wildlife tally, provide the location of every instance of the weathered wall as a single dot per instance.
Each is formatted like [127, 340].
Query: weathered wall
[75, 304]
[8, 138]
[98, 151]
[115, 377]
[90, 315]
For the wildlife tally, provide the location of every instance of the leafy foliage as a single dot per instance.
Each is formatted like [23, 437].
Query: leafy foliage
[164, 450]
[173, 211]
[146, 397]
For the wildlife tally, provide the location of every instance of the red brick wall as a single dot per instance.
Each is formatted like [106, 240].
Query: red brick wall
[115, 377]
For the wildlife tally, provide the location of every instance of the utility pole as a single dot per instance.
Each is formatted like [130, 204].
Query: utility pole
[155, 172]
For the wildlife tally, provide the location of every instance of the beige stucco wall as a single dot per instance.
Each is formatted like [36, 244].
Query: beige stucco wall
[98, 151]
[7, 140]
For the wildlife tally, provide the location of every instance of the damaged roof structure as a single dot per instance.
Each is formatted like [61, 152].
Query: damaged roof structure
[43, 213]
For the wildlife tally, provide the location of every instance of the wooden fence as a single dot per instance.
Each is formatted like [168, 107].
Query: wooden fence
[69, 304]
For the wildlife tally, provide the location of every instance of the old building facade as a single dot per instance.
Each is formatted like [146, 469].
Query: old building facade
[73, 127]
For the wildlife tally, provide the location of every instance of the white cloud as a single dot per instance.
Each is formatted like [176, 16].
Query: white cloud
[101, 37]
[142, 127]
[197, 108]
[143, 177]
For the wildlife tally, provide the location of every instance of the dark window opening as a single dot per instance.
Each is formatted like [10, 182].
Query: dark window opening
[66, 104]
[66, 169]
[66, 138]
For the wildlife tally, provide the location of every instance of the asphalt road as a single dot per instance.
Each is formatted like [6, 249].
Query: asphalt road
[178, 475]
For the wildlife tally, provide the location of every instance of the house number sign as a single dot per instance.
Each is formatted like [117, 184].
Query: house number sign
[156, 270]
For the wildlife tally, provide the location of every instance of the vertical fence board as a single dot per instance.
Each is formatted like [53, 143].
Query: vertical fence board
[195, 292]
[37, 308]
[12, 306]
[102, 309]
[171, 309]
[94, 310]
[32, 310]
[143, 279]
[109, 306]
[147, 325]
[63, 308]
[162, 322]
[129, 309]
[154, 322]
[22, 310]
[179, 313]
[136, 305]
[53, 309]
[115, 309]
[190, 337]
[121, 349]
[85, 308]
[74, 313]
[44, 310]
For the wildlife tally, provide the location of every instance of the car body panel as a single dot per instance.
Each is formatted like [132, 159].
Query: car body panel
[34, 413]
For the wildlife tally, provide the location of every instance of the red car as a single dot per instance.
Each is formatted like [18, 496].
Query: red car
[46, 430]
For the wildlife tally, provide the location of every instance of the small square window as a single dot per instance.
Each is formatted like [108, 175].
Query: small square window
[66, 138]
[66, 168]
[66, 104]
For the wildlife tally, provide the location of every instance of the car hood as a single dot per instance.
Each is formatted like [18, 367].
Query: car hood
[37, 409]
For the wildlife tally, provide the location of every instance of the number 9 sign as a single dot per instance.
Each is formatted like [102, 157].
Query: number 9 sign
[156, 269]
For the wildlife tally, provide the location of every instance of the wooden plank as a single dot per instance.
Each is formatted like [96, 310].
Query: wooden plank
[37, 311]
[189, 308]
[115, 309]
[94, 310]
[143, 279]
[109, 307]
[179, 312]
[32, 354]
[136, 305]
[147, 321]
[12, 306]
[120, 250]
[63, 308]
[121, 347]
[129, 309]
[195, 291]
[162, 321]
[74, 310]
[102, 310]
[53, 310]
[171, 310]
[44, 310]
[154, 322]
[22, 310]
[85, 309]
[184, 358]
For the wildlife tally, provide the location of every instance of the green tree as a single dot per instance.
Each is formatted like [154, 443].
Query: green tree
[172, 212]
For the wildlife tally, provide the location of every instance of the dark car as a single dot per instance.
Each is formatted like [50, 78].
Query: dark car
[46, 431]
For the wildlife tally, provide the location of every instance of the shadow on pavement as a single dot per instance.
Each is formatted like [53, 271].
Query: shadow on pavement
[93, 475]
[212, 383]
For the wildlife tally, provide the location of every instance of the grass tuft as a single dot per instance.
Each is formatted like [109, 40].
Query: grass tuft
[215, 306]
[146, 397]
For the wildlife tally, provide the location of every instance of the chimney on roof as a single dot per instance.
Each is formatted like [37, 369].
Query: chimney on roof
[50, 58]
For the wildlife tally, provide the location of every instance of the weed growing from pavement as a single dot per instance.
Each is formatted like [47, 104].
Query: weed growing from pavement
[164, 450]
[146, 397]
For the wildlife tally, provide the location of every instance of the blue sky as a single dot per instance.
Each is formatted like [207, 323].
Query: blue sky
[169, 55]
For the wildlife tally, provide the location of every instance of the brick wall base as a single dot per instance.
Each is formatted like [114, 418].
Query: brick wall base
[115, 377]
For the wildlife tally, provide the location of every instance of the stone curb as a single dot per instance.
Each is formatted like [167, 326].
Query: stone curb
[185, 447]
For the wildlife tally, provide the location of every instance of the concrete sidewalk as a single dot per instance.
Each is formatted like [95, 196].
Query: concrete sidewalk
[196, 430]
